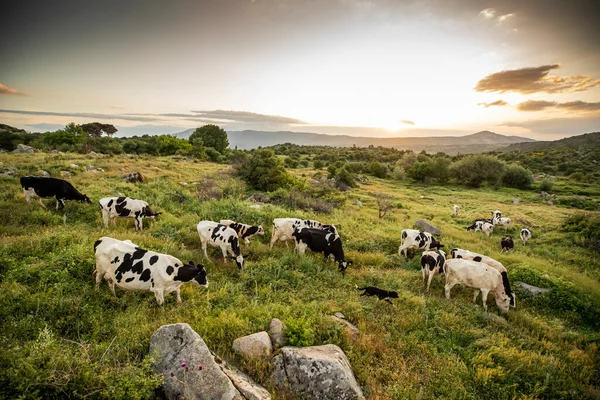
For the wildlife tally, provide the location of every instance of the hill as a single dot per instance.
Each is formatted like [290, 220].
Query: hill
[574, 142]
[474, 143]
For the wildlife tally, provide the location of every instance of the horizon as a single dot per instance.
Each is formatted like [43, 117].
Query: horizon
[347, 67]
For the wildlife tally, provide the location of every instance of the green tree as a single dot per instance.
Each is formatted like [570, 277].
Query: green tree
[473, 170]
[318, 164]
[97, 129]
[72, 135]
[517, 177]
[264, 171]
[421, 171]
[211, 136]
[345, 177]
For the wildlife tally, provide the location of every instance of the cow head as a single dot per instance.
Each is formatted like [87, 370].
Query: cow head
[343, 266]
[435, 244]
[503, 302]
[239, 261]
[147, 212]
[86, 199]
[392, 294]
[260, 231]
[200, 279]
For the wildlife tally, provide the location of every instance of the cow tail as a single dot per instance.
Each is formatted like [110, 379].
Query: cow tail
[507, 287]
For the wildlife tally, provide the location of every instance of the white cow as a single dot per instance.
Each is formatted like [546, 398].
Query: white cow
[496, 214]
[130, 267]
[483, 226]
[284, 228]
[223, 237]
[125, 207]
[502, 221]
[455, 209]
[414, 239]
[525, 235]
[479, 276]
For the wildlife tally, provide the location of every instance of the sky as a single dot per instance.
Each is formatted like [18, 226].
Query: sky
[363, 68]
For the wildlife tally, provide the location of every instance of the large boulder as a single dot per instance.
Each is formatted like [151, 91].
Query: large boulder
[23, 148]
[172, 345]
[318, 372]
[257, 345]
[427, 227]
[242, 382]
[277, 332]
[43, 173]
[530, 289]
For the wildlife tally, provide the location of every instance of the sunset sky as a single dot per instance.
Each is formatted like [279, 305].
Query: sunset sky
[370, 68]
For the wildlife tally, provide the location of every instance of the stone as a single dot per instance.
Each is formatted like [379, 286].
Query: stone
[550, 203]
[56, 152]
[256, 345]
[358, 203]
[277, 332]
[339, 315]
[545, 195]
[515, 200]
[8, 171]
[532, 290]
[258, 198]
[317, 372]
[427, 227]
[43, 173]
[93, 154]
[243, 383]
[23, 148]
[134, 177]
[170, 345]
[74, 166]
[351, 330]
[255, 206]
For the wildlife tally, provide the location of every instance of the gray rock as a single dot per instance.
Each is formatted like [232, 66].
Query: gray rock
[545, 195]
[173, 344]
[277, 332]
[56, 152]
[93, 154]
[515, 200]
[532, 290]
[8, 171]
[43, 173]
[358, 203]
[22, 148]
[65, 174]
[339, 315]
[550, 203]
[134, 177]
[256, 345]
[351, 330]
[427, 227]
[242, 382]
[318, 372]
[74, 166]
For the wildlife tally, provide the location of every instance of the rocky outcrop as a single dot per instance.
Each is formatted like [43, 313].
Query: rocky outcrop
[258, 198]
[22, 148]
[246, 386]
[427, 227]
[351, 330]
[257, 345]
[277, 332]
[530, 289]
[318, 372]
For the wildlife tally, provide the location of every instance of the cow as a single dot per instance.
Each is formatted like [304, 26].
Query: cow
[125, 207]
[496, 214]
[479, 276]
[244, 231]
[469, 255]
[525, 235]
[42, 187]
[502, 221]
[223, 237]
[414, 239]
[483, 226]
[284, 228]
[455, 209]
[321, 241]
[124, 264]
[507, 244]
[432, 263]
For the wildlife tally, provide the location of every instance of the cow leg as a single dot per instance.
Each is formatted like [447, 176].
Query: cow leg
[178, 292]
[425, 273]
[27, 194]
[42, 204]
[105, 218]
[448, 287]
[274, 238]
[60, 204]
[204, 244]
[160, 299]
[111, 285]
[429, 279]
[247, 241]
[475, 295]
[484, 294]
[97, 277]
[401, 250]
[224, 251]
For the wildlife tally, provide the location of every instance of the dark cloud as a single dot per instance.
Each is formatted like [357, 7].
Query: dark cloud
[576, 106]
[534, 80]
[407, 122]
[10, 91]
[245, 116]
[126, 117]
[535, 105]
[494, 103]
[559, 126]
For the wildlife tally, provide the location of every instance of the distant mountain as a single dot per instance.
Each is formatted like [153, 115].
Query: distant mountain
[588, 140]
[475, 143]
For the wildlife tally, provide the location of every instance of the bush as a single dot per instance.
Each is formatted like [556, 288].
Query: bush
[210, 136]
[399, 173]
[265, 171]
[546, 185]
[516, 176]
[476, 169]
[318, 164]
[420, 171]
[584, 229]
[378, 169]
[345, 177]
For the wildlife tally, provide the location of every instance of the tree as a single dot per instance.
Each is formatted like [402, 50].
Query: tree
[264, 171]
[420, 171]
[211, 136]
[97, 129]
[71, 135]
[517, 177]
[475, 169]
[345, 177]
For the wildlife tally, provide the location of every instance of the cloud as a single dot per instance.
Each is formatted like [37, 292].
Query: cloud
[494, 103]
[245, 116]
[534, 80]
[505, 17]
[488, 13]
[10, 91]
[559, 126]
[576, 106]
[126, 117]
[407, 122]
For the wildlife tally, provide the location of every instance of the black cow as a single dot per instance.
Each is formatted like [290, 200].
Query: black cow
[42, 187]
[507, 243]
[321, 241]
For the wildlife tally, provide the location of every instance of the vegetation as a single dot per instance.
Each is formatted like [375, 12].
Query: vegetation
[62, 338]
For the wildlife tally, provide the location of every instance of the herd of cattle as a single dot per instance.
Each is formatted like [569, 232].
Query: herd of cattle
[124, 264]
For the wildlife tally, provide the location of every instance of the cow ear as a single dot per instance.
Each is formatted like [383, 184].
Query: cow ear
[191, 262]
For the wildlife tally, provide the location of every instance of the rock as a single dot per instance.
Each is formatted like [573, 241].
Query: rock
[545, 195]
[173, 344]
[350, 329]
[183, 183]
[427, 227]
[256, 345]
[318, 372]
[74, 166]
[277, 332]
[134, 177]
[242, 382]
[43, 173]
[65, 174]
[550, 203]
[339, 315]
[258, 198]
[515, 200]
[7, 171]
[22, 148]
[93, 154]
[532, 290]
[358, 203]
[56, 152]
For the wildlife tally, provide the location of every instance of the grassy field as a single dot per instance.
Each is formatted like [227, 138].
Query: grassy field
[59, 337]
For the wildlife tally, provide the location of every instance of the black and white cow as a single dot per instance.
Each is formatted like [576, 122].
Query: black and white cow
[244, 231]
[42, 187]
[502, 221]
[496, 214]
[507, 244]
[321, 241]
[525, 235]
[223, 237]
[284, 228]
[414, 239]
[432, 263]
[130, 267]
[482, 225]
[125, 207]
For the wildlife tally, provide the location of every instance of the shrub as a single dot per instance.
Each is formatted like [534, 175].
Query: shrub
[210, 136]
[516, 176]
[584, 229]
[546, 185]
[265, 171]
[345, 177]
[378, 169]
[318, 164]
[476, 169]
[399, 173]
[420, 171]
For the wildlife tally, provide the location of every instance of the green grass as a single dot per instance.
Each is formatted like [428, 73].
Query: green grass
[61, 337]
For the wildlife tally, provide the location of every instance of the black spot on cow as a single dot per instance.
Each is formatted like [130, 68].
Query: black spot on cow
[478, 259]
[153, 260]
[129, 279]
[404, 235]
[96, 244]
[115, 260]
[110, 203]
[507, 288]
[138, 267]
[458, 256]
[170, 270]
[121, 207]
[250, 231]
[187, 272]
[428, 261]
[422, 240]
[139, 253]
[146, 275]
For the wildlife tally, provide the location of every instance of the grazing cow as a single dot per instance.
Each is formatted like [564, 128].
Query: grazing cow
[469, 255]
[244, 231]
[223, 237]
[60, 189]
[432, 263]
[483, 226]
[496, 214]
[321, 241]
[284, 228]
[507, 244]
[505, 222]
[130, 267]
[525, 235]
[125, 207]
[478, 276]
[414, 239]
[381, 294]
[455, 209]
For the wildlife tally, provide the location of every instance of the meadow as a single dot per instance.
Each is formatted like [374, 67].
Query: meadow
[62, 338]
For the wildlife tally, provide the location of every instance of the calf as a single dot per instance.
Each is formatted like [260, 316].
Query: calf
[223, 237]
[478, 276]
[244, 231]
[525, 235]
[505, 222]
[469, 255]
[321, 241]
[284, 228]
[455, 209]
[125, 207]
[432, 263]
[507, 244]
[130, 267]
[60, 189]
[483, 226]
[414, 239]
